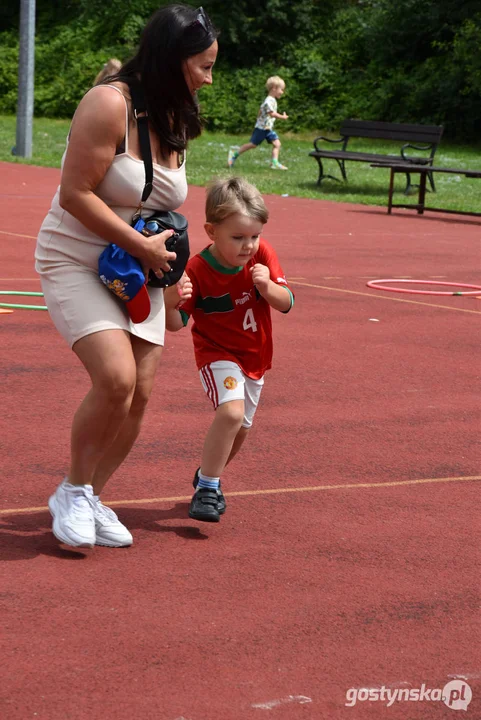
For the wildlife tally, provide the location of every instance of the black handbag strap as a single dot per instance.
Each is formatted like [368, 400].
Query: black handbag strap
[142, 118]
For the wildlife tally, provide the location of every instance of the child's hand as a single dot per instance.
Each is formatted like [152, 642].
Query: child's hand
[260, 277]
[284, 116]
[184, 289]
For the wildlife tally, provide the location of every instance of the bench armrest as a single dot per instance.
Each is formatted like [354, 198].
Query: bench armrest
[321, 137]
[421, 160]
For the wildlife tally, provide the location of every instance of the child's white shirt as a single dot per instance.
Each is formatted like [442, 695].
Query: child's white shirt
[264, 120]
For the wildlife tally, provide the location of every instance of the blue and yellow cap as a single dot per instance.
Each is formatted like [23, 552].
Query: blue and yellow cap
[123, 275]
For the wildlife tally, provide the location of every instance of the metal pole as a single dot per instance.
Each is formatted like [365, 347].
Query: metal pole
[26, 65]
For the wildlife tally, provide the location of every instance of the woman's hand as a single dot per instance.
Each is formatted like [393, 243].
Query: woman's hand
[155, 256]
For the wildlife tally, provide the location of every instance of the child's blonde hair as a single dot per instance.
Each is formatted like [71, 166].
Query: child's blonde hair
[111, 67]
[274, 81]
[228, 196]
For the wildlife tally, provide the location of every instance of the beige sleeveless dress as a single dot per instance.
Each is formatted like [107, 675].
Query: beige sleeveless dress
[66, 255]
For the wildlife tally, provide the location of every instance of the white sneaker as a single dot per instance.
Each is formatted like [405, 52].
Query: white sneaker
[277, 166]
[232, 155]
[109, 530]
[73, 517]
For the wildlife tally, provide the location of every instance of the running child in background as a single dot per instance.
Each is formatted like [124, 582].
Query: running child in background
[235, 282]
[264, 126]
[110, 68]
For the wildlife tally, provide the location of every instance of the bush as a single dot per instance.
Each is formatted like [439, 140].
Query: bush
[365, 59]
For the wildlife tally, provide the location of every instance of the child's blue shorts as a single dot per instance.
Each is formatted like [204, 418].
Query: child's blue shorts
[259, 136]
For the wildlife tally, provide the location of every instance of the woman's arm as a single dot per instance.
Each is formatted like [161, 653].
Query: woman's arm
[97, 130]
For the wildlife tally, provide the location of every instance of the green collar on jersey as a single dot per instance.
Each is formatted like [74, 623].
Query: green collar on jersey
[208, 257]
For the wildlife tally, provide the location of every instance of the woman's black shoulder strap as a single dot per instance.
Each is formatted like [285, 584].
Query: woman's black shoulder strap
[142, 118]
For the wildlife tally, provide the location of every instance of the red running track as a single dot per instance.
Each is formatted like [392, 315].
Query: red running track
[349, 553]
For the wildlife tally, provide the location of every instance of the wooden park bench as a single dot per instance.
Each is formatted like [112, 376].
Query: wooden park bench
[421, 138]
[423, 170]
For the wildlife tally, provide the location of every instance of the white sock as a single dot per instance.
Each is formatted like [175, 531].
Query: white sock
[212, 483]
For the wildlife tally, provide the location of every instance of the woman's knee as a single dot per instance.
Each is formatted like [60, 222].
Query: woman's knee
[117, 385]
[140, 399]
[147, 359]
[115, 380]
[108, 358]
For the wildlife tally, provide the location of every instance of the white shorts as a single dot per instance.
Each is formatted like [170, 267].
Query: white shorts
[224, 381]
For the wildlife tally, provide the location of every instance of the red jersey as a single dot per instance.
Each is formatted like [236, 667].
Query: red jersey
[232, 321]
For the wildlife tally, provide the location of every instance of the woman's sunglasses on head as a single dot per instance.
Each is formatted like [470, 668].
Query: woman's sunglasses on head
[202, 19]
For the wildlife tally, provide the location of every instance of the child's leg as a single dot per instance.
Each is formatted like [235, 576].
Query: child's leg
[221, 438]
[235, 398]
[223, 382]
[256, 138]
[245, 147]
[275, 164]
[252, 393]
[234, 152]
[208, 503]
[238, 443]
[276, 146]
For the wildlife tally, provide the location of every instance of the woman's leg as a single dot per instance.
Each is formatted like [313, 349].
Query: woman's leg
[147, 357]
[109, 360]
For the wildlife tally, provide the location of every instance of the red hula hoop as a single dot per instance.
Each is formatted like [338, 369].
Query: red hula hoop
[376, 284]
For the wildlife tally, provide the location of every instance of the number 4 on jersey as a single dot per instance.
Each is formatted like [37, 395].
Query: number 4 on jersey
[249, 321]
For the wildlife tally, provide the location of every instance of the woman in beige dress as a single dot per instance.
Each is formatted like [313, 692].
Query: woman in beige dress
[101, 185]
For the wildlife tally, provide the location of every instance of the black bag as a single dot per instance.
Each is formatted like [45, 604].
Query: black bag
[178, 243]
[162, 219]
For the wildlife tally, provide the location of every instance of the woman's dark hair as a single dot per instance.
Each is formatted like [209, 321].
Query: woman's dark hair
[173, 34]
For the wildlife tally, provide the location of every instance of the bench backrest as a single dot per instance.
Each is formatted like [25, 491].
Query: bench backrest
[403, 132]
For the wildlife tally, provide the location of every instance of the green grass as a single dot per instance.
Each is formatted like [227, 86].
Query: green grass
[208, 154]
[48, 141]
